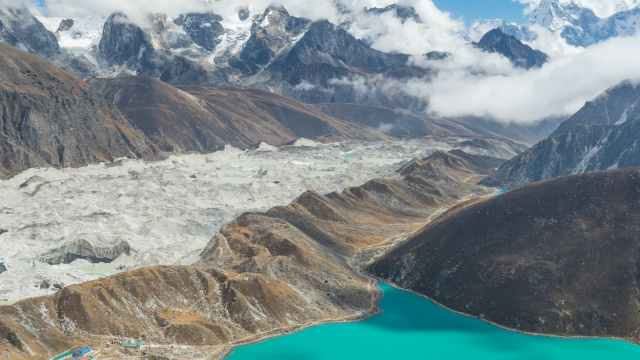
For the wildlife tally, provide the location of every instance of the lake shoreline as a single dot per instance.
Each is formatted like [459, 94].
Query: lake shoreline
[503, 327]
[374, 310]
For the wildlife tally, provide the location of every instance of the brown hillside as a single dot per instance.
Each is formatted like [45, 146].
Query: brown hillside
[194, 118]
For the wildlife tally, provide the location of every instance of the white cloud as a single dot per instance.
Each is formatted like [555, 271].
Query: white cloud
[436, 32]
[560, 87]
[602, 8]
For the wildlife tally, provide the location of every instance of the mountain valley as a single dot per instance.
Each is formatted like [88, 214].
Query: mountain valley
[180, 180]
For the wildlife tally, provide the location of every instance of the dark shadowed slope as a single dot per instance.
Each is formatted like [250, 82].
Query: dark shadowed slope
[602, 135]
[52, 118]
[614, 106]
[557, 257]
[197, 118]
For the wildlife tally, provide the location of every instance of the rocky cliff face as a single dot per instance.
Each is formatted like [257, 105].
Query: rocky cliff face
[19, 28]
[521, 55]
[323, 66]
[402, 12]
[615, 106]
[51, 118]
[261, 275]
[554, 257]
[124, 44]
[272, 32]
[602, 135]
[203, 29]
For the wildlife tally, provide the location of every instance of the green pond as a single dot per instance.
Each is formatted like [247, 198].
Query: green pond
[412, 327]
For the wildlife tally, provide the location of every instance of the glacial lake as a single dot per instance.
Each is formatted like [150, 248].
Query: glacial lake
[412, 327]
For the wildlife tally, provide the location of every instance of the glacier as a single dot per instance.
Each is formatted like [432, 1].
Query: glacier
[150, 213]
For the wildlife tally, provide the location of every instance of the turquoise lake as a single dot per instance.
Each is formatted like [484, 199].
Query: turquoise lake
[412, 327]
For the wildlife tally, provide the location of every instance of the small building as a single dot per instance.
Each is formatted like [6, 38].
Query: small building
[132, 346]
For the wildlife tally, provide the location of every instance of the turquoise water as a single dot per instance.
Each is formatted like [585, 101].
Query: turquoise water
[412, 327]
[498, 192]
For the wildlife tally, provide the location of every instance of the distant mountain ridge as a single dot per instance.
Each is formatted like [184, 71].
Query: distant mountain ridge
[602, 135]
[575, 23]
[195, 118]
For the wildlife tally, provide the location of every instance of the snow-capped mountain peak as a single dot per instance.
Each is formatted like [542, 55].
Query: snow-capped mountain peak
[578, 24]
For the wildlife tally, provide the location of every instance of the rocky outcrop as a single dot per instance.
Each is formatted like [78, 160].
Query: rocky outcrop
[271, 33]
[85, 250]
[521, 55]
[122, 41]
[602, 135]
[402, 12]
[555, 257]
[51, 118]
[203, 29]
[65, 25]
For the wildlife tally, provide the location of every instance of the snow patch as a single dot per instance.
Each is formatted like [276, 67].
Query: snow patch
[623, 118]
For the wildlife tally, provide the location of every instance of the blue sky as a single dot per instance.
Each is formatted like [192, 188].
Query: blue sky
[483, 9]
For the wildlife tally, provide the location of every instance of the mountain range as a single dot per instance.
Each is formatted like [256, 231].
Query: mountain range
[268, 49]
[571, 21]
[47, 123]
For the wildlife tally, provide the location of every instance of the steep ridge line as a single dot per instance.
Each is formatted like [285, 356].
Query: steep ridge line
[262, 274]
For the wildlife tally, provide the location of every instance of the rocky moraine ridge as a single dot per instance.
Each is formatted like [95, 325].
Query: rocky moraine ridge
[261, 275]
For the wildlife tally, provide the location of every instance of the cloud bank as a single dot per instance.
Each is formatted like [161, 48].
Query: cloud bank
[560, 87]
